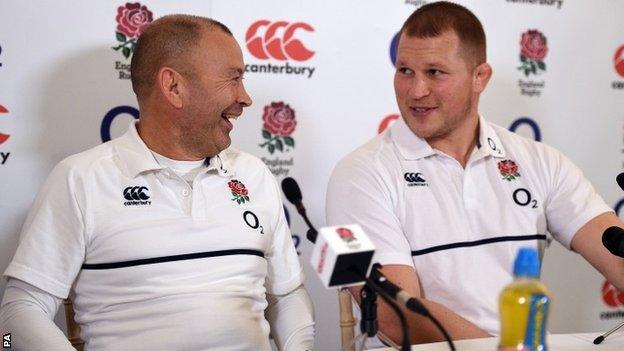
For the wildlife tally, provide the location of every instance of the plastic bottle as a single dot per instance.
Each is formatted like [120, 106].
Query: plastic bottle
[524, 305]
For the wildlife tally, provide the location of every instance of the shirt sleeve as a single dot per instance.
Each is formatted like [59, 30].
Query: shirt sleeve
[359, 193]
[572, 201]
[27, 313]
[52, 245]
[291, 318]
[284, 271]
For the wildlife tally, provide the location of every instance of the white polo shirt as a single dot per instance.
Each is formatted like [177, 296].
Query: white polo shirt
[460, 228]
[154, 263]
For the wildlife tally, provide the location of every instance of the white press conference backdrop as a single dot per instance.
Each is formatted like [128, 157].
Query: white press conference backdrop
[325, 67]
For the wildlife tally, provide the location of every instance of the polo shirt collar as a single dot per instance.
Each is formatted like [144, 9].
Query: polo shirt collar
[489, 142]
[222, 164]
[137, 158]
[412, 147]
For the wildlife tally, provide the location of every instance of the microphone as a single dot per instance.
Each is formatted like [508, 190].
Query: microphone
[620, 180]
[293, 195]
[342, 255]
[613, 240]
[398, 294]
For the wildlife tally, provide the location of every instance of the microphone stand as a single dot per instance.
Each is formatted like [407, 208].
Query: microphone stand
[412, 304]
[368, 307]
[372, 286]
[599, 339]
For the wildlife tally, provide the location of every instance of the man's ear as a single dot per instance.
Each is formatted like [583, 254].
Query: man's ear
[171, 85]
[481, 77]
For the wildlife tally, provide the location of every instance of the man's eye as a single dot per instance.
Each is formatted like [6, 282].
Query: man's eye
[434, 72]
[405, 70]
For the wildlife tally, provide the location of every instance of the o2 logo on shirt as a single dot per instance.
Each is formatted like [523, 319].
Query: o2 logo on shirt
[252, 221]
[537, 133]
[105, 128]
[522, 197]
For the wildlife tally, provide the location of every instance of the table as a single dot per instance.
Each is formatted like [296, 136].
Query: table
[556, 342]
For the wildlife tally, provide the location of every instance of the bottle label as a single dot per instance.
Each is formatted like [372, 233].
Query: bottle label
[535, 336]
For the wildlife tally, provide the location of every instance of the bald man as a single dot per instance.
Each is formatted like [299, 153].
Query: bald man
[165, 238]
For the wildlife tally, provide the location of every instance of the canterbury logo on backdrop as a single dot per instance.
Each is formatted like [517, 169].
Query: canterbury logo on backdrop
[267, 43]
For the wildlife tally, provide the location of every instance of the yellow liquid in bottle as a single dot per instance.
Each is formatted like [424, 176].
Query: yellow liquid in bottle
[523, 307]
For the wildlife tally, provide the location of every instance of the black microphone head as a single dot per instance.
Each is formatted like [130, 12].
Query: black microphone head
[620, 180]
[291, 190]
[613, 240]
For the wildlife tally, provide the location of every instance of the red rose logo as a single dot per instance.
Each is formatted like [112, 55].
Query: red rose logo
[132, 19]
[533, 45]
[508, 169]
[533, 50]
[345, 234]
[239, 191]
[279, 123]
[279, 119]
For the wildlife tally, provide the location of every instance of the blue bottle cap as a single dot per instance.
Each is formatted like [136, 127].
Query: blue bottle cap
[527, 263]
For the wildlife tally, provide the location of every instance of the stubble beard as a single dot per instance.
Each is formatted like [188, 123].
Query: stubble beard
[199, 140]
[450, 125]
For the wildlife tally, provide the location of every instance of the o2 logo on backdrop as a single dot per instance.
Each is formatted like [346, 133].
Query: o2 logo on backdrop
[105, 128]
[0, 54]
[527, 121]
[393, 48]
[296, 238]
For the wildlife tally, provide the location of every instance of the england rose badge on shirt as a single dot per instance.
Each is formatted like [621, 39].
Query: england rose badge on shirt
[508, 169]
[239, 192]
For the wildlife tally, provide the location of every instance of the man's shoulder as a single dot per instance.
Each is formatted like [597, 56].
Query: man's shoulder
[515, 142]
[243, 161]
[85, 160]
[376, 154]
[542, 157]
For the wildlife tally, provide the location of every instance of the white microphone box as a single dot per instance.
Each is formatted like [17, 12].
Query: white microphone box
[342, 255]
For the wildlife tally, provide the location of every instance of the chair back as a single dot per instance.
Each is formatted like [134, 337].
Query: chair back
[347, 322]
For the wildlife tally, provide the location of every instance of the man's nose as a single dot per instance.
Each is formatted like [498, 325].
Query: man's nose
[244, 98]
[419, 88]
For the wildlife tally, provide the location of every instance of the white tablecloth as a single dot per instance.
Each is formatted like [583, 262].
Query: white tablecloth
[555, 342]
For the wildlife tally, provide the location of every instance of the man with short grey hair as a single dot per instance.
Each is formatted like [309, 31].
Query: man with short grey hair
[165, 238]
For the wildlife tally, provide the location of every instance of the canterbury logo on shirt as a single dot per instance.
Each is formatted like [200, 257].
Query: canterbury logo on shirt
[415, 179]
[136, 196]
